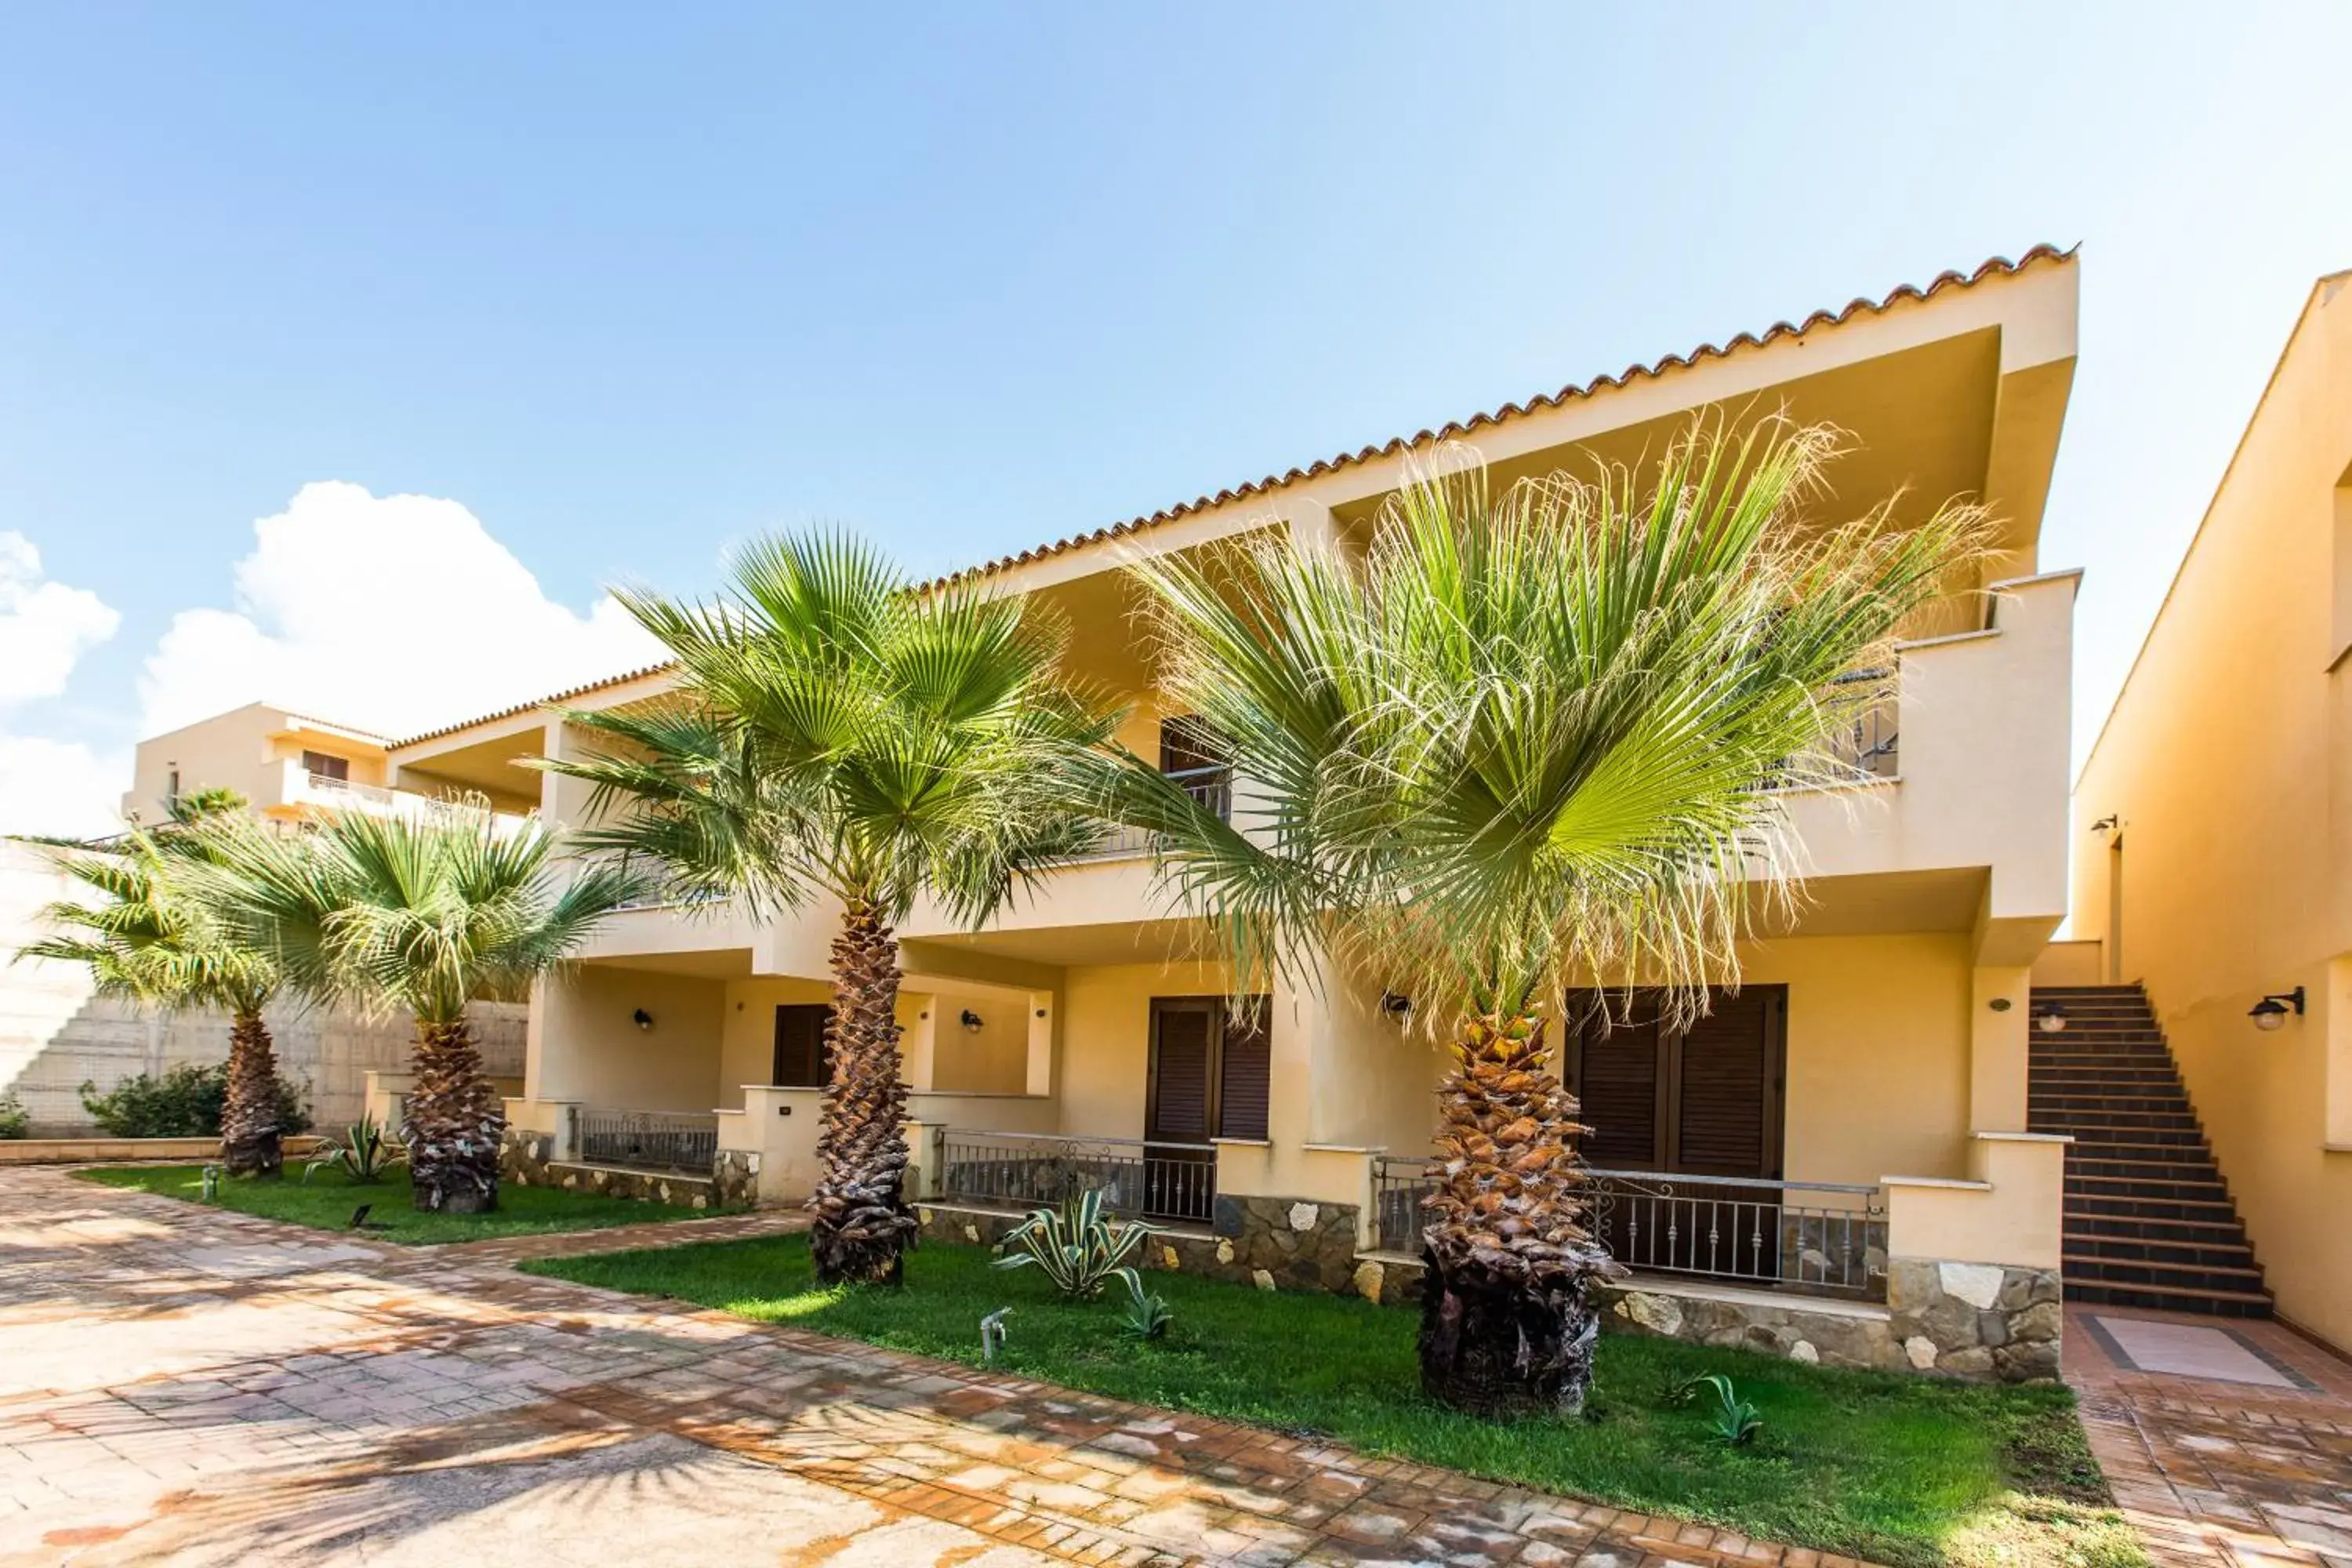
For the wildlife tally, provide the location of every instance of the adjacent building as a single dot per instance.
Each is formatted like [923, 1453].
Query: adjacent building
[2213, 838]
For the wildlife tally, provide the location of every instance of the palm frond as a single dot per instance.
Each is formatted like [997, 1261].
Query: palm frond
[835, 729]
[426, 912]
[1526, 741]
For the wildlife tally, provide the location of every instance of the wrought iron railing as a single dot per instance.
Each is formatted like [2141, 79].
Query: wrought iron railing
[374, 794]
[1026, 1169]
[1866, 746]
[650, 1140]
[1212, 786]
[1820, 1236]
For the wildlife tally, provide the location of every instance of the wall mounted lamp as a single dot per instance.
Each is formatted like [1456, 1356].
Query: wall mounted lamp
[643, 1020]
[2000, 1004]
[2106, 824]
[2051, 1020]
[971, 1021]
[2271, 1012]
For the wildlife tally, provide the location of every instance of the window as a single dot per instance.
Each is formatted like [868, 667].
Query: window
[1189, 750]
[322, 766]
[803, 1045]
[171, 789]
[1704, 1100]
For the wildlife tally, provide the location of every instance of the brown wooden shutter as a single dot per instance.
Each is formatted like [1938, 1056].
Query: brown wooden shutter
[1726, 1063]
[1617, 1085]
[803, 1045]
[1179, 1074]
[1244, 1086]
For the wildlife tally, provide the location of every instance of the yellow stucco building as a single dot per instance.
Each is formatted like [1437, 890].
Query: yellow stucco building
[2212, 841]
[1837, 1164]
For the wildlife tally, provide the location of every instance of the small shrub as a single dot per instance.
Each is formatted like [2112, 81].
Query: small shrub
[186, 1102]
[1078, 1248]
[1146, 1315]
[15, 1121]
[363, 1155]
[1733, 1419]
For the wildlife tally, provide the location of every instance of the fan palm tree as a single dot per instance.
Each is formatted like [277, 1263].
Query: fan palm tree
[154, 938]
[1524, 744]
[835, 730]
[425, 912]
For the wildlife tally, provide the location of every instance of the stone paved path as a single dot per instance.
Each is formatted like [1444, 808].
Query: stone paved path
[181, 1384]
[2219, 1474]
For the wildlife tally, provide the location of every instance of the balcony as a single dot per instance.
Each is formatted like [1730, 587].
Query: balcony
[1212, 786]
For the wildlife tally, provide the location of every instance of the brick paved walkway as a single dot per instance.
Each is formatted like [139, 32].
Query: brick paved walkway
[180, 1384]
[2218, 1474]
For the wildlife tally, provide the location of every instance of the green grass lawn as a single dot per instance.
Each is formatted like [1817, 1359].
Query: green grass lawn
[326, 1200]
[1901, 1470]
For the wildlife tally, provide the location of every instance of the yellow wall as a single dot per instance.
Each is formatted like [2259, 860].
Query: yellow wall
[585, 1046]
[748, 1030]
[1106, 1039]
[2225, 757]
[994, 1059]
[1878, 1053]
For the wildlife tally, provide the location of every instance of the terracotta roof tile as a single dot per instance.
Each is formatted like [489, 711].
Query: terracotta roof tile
[1997, 266]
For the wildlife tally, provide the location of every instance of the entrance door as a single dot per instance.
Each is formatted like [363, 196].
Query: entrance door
[803, 1045]
[1210, 1060]
[1704, 1100]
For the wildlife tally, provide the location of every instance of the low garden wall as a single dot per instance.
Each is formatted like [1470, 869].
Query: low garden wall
[1982, 1323]
[527, 1158]
[114, 1150]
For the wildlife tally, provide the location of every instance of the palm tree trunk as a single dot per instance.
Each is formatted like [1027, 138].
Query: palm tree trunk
[455, 1123]
[249, 1130]
[863, 1224]
[1508, 1322]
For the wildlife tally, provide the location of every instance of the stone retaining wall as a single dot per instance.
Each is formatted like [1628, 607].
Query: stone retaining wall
[1978, 1322]
[99, 1149]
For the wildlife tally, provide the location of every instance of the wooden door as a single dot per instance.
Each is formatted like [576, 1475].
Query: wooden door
[1210, 1077]
[803, 1045]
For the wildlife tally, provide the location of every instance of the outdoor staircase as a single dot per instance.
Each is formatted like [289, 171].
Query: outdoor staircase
[2149, 1222]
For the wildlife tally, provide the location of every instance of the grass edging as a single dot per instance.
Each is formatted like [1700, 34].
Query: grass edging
[1907, 1471]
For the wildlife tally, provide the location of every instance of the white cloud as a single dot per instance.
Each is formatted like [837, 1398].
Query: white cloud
[44, 627]
[49, 785]
[59, 786]
[392, 613]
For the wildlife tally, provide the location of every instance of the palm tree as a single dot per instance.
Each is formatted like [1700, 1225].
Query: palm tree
[835, 731]
[1524, 744]
[427, 912]
[155, 939]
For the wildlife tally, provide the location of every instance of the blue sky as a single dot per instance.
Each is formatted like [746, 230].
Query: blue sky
[626, 285]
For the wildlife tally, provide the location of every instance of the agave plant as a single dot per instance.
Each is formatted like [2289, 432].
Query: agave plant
[1731, 1418]
[1078, 1247]
[1146, 1315]
[363, 1155]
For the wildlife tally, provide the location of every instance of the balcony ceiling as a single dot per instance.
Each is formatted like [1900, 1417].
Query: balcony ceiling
[490, 766]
